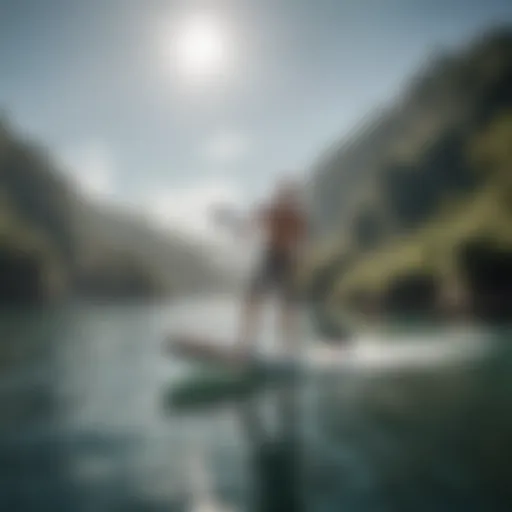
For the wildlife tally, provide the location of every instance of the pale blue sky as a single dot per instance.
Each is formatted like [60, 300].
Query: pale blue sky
[95, 80]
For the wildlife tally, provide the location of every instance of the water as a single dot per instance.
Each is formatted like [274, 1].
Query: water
[84, 428]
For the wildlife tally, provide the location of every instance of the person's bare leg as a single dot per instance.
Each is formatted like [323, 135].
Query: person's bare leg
[249, 324]
[289, 328]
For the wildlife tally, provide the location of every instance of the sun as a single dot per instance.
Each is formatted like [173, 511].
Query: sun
[201, 47]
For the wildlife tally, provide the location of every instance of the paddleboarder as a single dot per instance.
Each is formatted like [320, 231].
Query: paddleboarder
[283, 222]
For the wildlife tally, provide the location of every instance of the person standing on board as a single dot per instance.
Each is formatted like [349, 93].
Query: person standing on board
[284, 224]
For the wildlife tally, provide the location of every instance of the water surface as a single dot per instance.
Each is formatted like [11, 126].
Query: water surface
[415, 422]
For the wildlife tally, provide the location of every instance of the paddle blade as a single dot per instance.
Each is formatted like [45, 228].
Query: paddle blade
[227, 218]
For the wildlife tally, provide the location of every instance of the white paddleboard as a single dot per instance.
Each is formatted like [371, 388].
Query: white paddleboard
[359, 354]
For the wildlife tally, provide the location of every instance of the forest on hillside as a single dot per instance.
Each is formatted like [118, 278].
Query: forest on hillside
[414, 213]
[55, 244]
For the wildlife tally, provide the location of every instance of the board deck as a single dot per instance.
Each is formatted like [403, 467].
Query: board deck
[219, 373]
[212, 353]
[220, 359]
[360, 354]
[206, 351]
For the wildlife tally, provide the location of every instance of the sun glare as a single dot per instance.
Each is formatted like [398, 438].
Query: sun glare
[201, 48]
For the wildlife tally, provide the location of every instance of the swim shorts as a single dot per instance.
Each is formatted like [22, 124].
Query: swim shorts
[276, 273]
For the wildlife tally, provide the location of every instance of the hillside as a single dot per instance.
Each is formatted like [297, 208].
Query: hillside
[54, 243]
[413, 214]
[110, 235]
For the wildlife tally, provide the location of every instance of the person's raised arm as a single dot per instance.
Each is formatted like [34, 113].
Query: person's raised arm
[238, 224]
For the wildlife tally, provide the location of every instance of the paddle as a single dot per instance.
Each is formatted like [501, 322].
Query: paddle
[228, 218]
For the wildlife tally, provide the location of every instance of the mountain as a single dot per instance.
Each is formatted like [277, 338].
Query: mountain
[55, 243]
[414, 211]
[182, 265]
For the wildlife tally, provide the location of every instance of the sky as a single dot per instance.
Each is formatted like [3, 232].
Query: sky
[169, 106]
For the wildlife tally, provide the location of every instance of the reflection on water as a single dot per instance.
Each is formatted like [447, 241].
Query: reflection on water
[83, 429]
[275, 460]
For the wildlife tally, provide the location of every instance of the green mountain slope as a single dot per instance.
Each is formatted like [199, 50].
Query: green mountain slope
[415, 211]
[54, 243]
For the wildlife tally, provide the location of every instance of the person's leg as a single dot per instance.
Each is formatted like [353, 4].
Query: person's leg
[289, 327]
[251, 308]
[289, 314]
[249, 322]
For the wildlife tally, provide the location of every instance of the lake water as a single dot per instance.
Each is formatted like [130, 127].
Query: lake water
[420, 421]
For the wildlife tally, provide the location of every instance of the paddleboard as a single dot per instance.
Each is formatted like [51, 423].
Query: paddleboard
[222, 355]
[220, 373]
[359, 353]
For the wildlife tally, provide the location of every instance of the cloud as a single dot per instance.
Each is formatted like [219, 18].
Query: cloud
[189, 209]
[91, 167]
[227, 147]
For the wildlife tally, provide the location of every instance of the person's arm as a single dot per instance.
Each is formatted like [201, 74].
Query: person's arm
[240, 225]
[255, 221]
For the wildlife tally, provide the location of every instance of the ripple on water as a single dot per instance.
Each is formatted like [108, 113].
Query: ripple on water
[414, 423]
